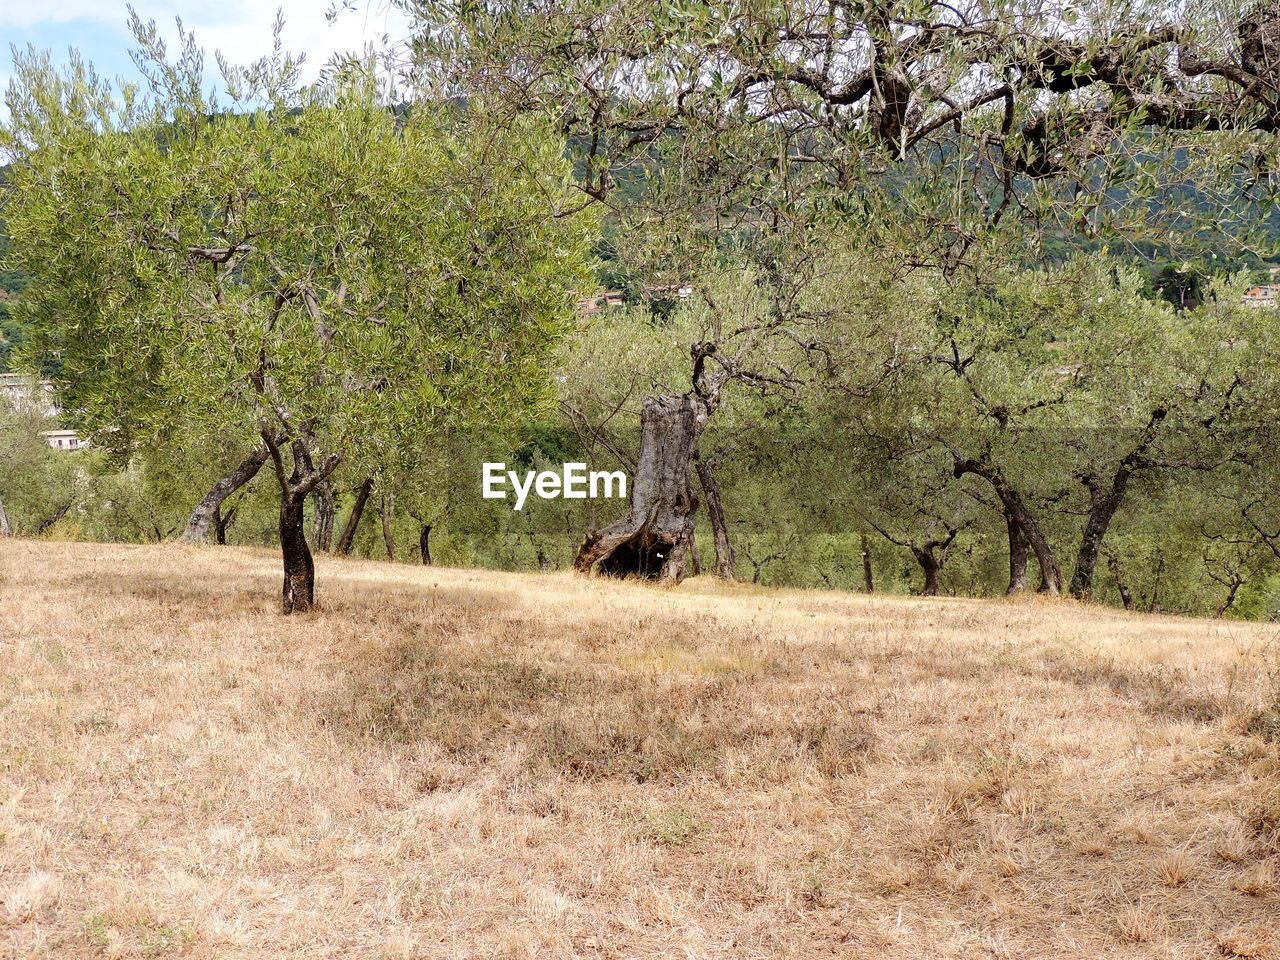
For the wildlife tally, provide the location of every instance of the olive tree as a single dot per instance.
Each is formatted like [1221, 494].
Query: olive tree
[326, 276]
[939, 134]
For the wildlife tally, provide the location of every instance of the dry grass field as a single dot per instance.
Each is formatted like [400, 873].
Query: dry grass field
[459, 764]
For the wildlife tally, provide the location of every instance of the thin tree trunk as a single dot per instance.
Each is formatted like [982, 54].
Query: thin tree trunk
[5, 529]
[348, 535]
[1126, 597]
[725, 559]
[326, 507]
[388, 511]
[1018, 557]
[424, 544]
[1153, 605]
[1050, 572]
[1230, 600]
[197, 529]
[222, 522]
[53, 518]
[868, 582]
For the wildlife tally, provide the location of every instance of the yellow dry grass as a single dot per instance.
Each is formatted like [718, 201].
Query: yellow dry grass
[451, 764]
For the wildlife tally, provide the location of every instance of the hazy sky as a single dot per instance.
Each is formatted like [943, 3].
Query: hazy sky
[239, 28]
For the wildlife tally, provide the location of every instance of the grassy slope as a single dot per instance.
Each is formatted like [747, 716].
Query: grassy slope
[450, 763]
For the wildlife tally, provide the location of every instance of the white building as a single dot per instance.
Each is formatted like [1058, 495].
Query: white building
[63, 439]
[23, 393]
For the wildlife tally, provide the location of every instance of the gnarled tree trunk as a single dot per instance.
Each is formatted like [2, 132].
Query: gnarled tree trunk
[424, 544]
[202, 517]
[931, 556]
[931, 566]
[299, 567]
[1104, 501]
[868, 580]
[299, 593]
[1016, 508]
[348, 536]
[725, 559]
[652, 540]
[1018, 557]
[5, 529]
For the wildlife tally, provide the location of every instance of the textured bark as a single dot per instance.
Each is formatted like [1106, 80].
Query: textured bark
[868, 581]
[725, 559]
[5, 529]
[299, 568]
[298, 594]
[1018, 557]
[931, 556]
[424, 544]
[202, 517]
[1016, 508]
[932, 569]
[652, 540]
[1104, 502]
[326, 507]
[348, 536]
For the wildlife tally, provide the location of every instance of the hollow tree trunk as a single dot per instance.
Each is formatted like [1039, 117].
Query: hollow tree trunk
[388, 511]
[326, 507]
[1018, 557]
[348, 535]
[725, 559]
[424, 544]
[1015, 507]
[652, 539]
[197, 529]
[5, 529]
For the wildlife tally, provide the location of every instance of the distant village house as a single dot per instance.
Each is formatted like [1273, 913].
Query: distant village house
[23, 393]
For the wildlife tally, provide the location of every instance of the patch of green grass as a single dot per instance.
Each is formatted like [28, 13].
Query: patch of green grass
[672, 828]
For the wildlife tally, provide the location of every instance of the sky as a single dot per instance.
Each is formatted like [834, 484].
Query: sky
[241, 29]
